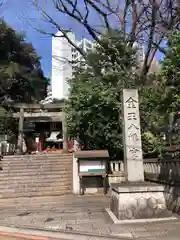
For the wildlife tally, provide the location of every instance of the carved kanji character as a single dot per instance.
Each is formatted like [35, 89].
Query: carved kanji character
[134, 137]
[131, 103]
[133, 126]
[134, 152]
[132, 116]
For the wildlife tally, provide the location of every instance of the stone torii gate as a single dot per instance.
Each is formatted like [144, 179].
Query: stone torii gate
[51, 111]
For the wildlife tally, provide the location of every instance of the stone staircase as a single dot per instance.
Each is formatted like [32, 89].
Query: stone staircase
[36, 175]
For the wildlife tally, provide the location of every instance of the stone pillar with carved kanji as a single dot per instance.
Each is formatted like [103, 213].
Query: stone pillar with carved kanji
[133, 157]
[135, 199]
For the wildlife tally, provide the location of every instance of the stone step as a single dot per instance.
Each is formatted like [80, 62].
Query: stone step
[35, 176]
[36, 165]
[62, 161]
[39, 171]
[35, 185]
[37, 168]
[29, 157]
[29, 178]
[35, 194]
[42, 181]
[42, 170]
[37, 188]
[35, 172]
[39, 185]
[36, 182]
[13, 162]
[21, 161]
[46, 155]
[43, 167]
[35, 159]
[41, 177]
[15, 166]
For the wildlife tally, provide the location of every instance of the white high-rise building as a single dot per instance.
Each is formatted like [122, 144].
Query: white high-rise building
[49, 98]
[84, 44]
[61, 65]
[64, 60]
[140, 52]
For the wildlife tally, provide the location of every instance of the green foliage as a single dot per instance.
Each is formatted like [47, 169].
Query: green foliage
[152, 109]
[8, 125]
[94, 104]
[21, 77]
[171, 73]
[152, 143]
[163, 95]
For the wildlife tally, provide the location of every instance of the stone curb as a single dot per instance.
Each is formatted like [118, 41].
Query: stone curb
[42, 234]
[129, 221]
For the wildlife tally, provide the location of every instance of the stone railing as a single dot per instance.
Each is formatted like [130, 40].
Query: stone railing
[163, 170]
[152, 169]
[116, 166]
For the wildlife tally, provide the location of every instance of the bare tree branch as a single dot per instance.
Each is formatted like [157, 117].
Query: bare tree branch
[150, 21]
[151, 35]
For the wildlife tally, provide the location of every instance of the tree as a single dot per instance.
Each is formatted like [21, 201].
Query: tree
[147, 22]
[94, 104]
[171, 73]
[154, 121]
[21, 77]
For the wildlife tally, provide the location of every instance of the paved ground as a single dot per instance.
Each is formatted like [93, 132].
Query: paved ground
[73, 214]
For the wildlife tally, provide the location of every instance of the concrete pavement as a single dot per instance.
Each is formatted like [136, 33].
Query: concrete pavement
[73, 217]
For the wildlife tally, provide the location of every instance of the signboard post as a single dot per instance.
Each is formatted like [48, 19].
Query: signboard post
[92, 164]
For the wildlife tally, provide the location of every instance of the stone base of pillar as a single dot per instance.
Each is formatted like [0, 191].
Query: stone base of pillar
[138, 201]
[115, 178]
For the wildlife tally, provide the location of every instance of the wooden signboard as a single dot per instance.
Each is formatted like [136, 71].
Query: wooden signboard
[92, 166]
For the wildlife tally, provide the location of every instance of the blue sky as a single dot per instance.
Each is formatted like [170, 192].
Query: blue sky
[22, 16]
[19, 14]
